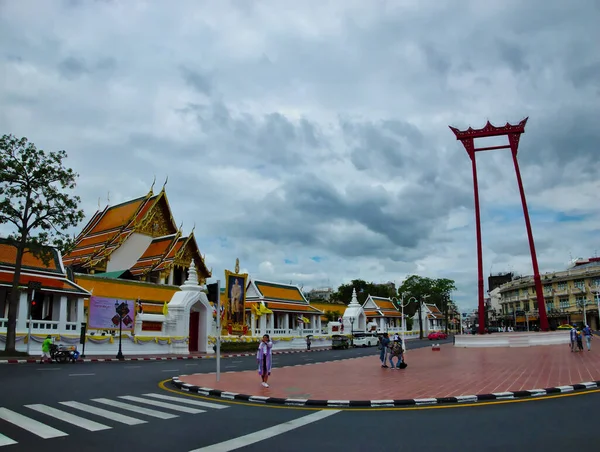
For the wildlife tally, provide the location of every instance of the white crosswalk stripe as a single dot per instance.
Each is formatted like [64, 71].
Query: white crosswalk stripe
[216, 406]
[169, 406]
[31, 425]
[128, 403]
[6, 441]
[104, 413]
[136, 409]
[92, 426]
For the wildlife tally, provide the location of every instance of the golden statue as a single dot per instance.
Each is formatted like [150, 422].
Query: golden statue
[237, 266]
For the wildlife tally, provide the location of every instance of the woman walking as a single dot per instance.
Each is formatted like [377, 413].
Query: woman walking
[264, 359]
[383, 347]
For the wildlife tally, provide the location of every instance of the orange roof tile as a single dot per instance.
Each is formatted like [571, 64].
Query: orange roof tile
[291, 307]
[159, 246]
[97, 239]
[372, 314]
[382, 304]
[8, 255]
[118, 216]
[279, 291]
[127, 290]
[48, 283]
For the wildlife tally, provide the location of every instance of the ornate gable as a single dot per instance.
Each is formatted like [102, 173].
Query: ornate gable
[156, 220]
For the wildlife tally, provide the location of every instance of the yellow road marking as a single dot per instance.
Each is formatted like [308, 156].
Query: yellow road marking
[162, 386]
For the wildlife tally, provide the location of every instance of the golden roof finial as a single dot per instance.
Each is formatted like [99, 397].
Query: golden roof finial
[165, 184]
[181, 227]
[237, 265]
[193, 228]
[152, 186]
[108, 198]
[99, 204]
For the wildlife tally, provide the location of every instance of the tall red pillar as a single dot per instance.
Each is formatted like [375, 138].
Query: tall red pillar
[513, 132]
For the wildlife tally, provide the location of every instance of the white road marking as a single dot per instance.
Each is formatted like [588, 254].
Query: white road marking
[6, 441]
[191, 364]
[169, 406]
[128, 420]
[131, 367]
[31, 425]
[170, 370]
[267, 433]
[136, 409]
[80, 375]
[50, 368]
[92, 426]
[188, 401]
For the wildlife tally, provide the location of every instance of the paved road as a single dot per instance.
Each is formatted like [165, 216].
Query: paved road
[100, 406]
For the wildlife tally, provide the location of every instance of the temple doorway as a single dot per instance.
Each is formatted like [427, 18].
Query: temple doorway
[199, 328]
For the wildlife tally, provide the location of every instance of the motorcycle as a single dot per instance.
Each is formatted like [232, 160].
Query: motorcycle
[63, 353]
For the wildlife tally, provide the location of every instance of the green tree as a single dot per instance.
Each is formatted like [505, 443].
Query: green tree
[33, 201]
[363, 290]
[437, 290]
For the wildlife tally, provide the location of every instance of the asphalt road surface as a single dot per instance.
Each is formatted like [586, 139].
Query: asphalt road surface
[119, 406]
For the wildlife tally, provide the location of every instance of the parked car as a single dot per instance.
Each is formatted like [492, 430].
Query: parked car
[338, 341]
[365, 339]
[437, 335]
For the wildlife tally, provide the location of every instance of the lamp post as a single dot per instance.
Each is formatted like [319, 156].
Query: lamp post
[352, 331]
[402, 306]
[119, 311]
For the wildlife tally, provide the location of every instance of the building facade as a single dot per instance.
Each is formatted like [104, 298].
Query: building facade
[567, 295]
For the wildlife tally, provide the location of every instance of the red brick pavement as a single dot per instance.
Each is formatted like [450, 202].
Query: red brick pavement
[446, 373]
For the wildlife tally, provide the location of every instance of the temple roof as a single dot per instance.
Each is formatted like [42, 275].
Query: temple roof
[149, 215]
[51, 276]
[107, 229]
[380, 307]
[280, 297]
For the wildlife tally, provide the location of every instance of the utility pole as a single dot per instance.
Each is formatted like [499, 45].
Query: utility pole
[424, 297]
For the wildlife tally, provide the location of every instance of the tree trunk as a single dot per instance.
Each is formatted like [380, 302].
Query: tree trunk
[13, 305]
[420, 322]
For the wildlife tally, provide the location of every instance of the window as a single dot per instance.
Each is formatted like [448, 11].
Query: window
[535, 305]
[596, 282]
[548, 289]
[579, 284]
[549, 305]
[564, 302]
[581, 300]
[526, 306]
[561, 286]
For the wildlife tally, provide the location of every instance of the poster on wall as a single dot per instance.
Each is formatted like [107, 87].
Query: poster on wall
[235, 293]
[102, 314]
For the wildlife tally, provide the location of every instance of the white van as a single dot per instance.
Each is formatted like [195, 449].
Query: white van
[365, 339]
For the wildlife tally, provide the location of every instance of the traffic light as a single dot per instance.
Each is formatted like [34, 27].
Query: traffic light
[213, 292]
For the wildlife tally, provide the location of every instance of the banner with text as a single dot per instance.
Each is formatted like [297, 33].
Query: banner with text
[102, 314]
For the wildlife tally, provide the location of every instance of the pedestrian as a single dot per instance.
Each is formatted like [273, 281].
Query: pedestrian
[579, 341]
[587, 331]
[573, 338]
[383, 347]
[263, 357]
[308, 342]
[46, 349]
[395, 352]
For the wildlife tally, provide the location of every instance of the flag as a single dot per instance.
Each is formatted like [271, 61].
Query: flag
[165, 309]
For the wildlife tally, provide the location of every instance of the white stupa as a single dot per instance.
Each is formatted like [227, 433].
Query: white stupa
[354, 311]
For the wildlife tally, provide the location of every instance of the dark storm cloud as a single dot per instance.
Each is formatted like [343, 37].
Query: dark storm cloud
[321, 129]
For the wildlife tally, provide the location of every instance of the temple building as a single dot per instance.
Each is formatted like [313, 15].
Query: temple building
[137, 240]
[288, 312]
[58, 303]
[382, 311]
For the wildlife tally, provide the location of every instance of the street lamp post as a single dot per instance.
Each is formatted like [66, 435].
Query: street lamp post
[118, 309]
[402, 306]
[352, 331]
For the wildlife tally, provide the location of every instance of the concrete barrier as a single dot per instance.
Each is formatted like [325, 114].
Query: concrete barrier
[511, 339]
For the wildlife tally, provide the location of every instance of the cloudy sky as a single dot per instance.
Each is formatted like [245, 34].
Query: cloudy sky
[310, 139]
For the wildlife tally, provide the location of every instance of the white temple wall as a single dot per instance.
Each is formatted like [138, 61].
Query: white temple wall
[129, 252]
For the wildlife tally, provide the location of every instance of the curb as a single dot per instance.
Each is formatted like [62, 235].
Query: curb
[383, 403]
[163, 358]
